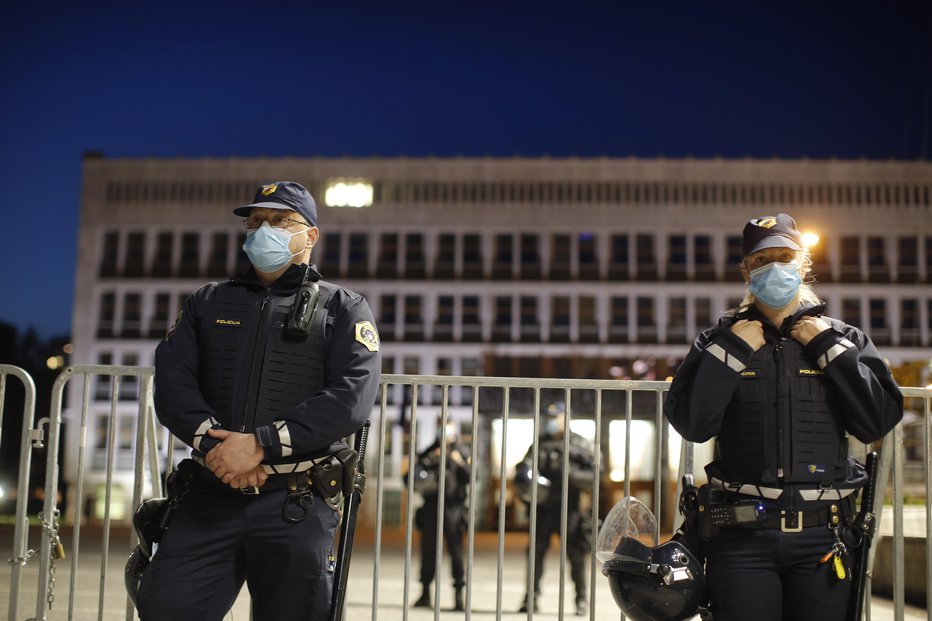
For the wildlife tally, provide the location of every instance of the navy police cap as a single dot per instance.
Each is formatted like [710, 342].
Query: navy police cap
[283, 195]
[770, 232]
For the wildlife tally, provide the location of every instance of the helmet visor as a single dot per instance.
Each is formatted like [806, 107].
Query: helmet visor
[629, 522]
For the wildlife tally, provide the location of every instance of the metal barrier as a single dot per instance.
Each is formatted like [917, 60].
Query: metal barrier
[473, 401]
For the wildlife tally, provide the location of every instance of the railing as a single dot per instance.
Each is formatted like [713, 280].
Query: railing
[479, 404]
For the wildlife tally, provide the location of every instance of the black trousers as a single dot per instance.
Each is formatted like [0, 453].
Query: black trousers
[578, 545]
[452, 534]
[769, 575]
[218, 539]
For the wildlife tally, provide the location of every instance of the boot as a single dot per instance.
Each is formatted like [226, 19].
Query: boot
[582, 606]
[458, 604]
[424, 600]
[527, 599]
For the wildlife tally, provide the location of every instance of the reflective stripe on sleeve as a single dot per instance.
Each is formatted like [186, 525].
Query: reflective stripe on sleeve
[284, 437]
[833, 352]
[202, 431]
[726, 358]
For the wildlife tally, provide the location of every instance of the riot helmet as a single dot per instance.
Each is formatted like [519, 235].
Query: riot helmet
[524, 484]
[149, 524]
[662, 583]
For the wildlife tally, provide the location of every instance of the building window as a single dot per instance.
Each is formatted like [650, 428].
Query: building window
[219, 251]
[414, 318]
[618, 261]
[110, 258]
[160, 315]
[676, 326]
[190, 256]
[821, 268]
[443, 328]
[850, 259]
[472, 324]
[704, 265]
[415, 264]
[502, 328]
[676, 263]
[909, 323]
[647, 327]
[387, 316]
[135, 255]
[560, 247]
[504, 251]
[588, 257]
[333, 245]
[928, 259]
[358, 252]
[107, 315]
[588, 323]
[162, 267]
[103, 382]
[908, 260]
[530, 257]
[733, 256]
[646, 261]
[132, 316]
[242, 261]
[388, 256]
[446, 256]
[530, 323]
[703, 313]
[851, 312]
[560, 319]
[472, 256]
[618, 328]
[879, 330]
[129, 384]
[877, 260]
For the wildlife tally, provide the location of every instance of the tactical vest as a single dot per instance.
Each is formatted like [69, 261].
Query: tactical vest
[250, 369]
[783, 421]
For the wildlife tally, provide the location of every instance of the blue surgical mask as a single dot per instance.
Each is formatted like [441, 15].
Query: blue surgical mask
[775, 284]
[267, 247]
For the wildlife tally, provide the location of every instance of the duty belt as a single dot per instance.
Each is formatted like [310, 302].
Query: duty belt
[281, 476]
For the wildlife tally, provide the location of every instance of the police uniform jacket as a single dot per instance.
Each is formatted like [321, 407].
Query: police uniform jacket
[229, 363]
[782, 413]
[581, 471]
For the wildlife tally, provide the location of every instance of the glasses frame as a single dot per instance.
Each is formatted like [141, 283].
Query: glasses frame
[285, 219]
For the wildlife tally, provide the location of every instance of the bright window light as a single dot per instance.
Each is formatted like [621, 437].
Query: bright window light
[810, 239]
[348, 193]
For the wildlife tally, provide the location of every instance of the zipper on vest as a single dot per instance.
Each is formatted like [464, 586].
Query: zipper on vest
[254, 362]
[778, 362]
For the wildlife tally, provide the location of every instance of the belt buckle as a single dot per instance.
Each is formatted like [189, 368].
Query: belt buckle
[790, 529]
[252, 490]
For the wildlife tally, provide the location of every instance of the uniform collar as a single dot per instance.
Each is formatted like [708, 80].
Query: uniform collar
[286, 283]
[805, 310]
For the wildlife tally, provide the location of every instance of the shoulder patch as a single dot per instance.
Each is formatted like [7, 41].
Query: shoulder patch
[367, 335]
[174, 327]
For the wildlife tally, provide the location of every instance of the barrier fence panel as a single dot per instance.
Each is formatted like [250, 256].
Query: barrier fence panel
[635, 452]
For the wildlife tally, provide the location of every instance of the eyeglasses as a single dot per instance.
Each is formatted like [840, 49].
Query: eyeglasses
[277, 221]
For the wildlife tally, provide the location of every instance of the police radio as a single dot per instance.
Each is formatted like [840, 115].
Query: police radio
[302, 310]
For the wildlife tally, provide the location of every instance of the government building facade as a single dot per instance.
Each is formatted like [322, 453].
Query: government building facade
[570, 268]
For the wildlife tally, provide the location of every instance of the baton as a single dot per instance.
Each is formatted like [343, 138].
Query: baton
[866, 524]
[348, 527]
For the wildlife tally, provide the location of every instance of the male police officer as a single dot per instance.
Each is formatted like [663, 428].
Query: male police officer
[578, 525]
[262, 375]
[456, 482]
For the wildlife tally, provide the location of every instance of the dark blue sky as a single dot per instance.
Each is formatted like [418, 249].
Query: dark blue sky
[204, 78]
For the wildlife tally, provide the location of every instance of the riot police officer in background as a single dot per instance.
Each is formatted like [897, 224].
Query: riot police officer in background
[578, 523]
[426, 473]
[263, 376]
[781, 386]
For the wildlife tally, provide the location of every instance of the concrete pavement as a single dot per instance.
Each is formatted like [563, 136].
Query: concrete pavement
[487, 601]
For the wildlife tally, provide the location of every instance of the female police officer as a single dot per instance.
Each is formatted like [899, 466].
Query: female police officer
[781, 386]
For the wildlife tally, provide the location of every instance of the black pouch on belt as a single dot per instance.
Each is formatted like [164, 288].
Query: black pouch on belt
[327, 476]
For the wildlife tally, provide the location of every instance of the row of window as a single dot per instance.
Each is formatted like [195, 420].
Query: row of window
[530, 319]
[532, 191]
[521, 256]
